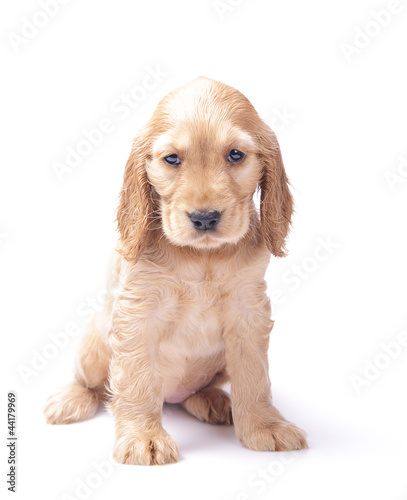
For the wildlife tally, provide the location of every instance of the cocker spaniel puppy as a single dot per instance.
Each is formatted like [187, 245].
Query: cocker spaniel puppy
[187, 308]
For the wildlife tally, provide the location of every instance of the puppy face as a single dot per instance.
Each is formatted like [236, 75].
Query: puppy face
[196, 166]
[205, 173]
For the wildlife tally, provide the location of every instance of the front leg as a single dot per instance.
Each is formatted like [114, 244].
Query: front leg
[136, 388]
[259, 425]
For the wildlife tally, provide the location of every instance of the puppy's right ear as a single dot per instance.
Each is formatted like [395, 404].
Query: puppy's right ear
[135, 209]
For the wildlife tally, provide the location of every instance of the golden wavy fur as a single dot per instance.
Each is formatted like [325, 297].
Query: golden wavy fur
[187, 309]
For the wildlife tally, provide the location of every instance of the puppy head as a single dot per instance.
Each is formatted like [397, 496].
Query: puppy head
[194, 169]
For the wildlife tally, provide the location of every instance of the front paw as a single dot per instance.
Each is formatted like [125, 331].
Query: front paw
[146, 449]
[274, 436]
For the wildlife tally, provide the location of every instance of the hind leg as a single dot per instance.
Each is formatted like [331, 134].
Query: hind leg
[211, 404]
[81, 399]
[72, 403]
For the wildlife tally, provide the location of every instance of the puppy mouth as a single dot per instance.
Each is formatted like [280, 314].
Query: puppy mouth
[204, 229]
[207, 239]
[211, 234]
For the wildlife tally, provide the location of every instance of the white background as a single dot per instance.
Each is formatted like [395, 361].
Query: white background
[343, 135]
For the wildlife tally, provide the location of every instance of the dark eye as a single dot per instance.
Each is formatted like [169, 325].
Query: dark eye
[173, 160]
[235, 156]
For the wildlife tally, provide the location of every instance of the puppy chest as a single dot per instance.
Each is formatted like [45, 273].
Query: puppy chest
[190, 312]
[182, 310]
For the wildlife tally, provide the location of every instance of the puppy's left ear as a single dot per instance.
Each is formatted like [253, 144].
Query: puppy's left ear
[276, 207]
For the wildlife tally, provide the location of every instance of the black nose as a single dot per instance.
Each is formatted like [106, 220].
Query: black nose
[205, 220]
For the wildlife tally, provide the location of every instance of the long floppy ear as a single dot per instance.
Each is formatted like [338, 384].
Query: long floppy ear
[135, 210]
[276, 201]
